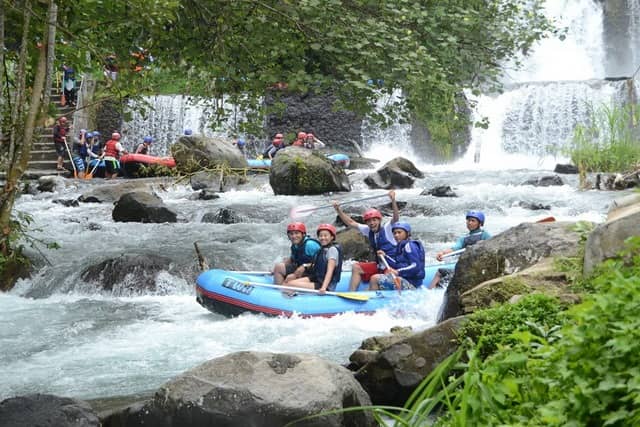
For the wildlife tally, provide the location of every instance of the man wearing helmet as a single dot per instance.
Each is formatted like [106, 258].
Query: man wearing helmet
[299, 141]
[112, 151]
[276, 145]
[406, 264]
[475, 222]
[144, 146]
[326, 267]
[380, 236]
[303, 250]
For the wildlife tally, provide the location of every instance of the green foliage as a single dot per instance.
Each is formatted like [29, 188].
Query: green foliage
[572, 266]
[608, 142]
[493, 327]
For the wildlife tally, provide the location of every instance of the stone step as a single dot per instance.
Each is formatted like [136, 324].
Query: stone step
[49, 155]
[45, 164]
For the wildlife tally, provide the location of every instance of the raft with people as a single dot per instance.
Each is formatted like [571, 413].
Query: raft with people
[232, 293]
[340, 158]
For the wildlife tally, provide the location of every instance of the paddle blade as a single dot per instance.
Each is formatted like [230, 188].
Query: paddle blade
[298, 212]
[547, 219]
[89, 175]
[353, 296]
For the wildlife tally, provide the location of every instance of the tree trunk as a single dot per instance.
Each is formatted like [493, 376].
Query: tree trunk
[22, 131]
[51, 43]
[3, 95]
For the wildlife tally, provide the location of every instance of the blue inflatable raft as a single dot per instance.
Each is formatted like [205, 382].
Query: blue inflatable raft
[341, 159]
[232, 293]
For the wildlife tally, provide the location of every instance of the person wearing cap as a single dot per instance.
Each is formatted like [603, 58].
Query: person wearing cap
[60, 131]
[380, 238]
[113, 149]
[303, 249]
[326, 267]
[241, 144]
[144, 146]
[406, 263]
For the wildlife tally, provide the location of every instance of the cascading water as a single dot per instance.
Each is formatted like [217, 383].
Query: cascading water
[61, 335]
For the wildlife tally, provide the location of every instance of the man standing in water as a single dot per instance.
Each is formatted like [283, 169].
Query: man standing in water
[380, 236]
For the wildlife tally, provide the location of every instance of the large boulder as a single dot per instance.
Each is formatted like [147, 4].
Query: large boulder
[45, 410]
[397, 173]
[195, 152]
[254, 389]
[110, 191]
[607, 239]
[142, 207]
[392, 374]
[544, 181]
[510, 251]
[127, 274]
[354, 245]
[299, 171]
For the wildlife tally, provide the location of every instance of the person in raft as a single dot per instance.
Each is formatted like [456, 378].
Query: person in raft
[475, 222]
[144, 146]
[326, 267]
[303, 249]
[406, 264]
[112, 151]
[380, 238]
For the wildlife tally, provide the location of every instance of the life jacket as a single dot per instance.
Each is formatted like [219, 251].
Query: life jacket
[472, 238]
[298, 252]
[80, 149]
[142, 149]
[59, 133]
[110, 149]
[403, 258]
[382, 243]
[321, 263]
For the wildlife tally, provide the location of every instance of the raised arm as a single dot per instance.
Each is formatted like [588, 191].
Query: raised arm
[343, 216]
[394, 206]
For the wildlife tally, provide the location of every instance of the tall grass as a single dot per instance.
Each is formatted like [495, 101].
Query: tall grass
[608, 142]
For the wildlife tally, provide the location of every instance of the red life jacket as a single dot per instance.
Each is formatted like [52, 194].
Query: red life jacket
[110, 149]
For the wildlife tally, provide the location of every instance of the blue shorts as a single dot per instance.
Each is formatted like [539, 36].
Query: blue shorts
[387, 282]
[79, 163]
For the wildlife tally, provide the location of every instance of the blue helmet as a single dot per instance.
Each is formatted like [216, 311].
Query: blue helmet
[402, 226]
[96, 133]
[477, 215]
[241, 142]
[148, 139]
[88, 135]
[188, 131]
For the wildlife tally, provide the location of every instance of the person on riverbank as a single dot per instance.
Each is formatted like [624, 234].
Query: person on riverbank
[406, 264]
[326, 267]
[241, 144]
[475, 222]
[300, 140]
[60, 131]
[113, 149]
[145, 145]
[69, 85]
[380, 238]
[313, 143]
[303, 249]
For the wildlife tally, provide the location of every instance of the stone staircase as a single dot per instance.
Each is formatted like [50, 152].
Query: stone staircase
[43, 153]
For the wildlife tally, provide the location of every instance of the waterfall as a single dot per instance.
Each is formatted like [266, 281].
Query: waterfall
[165, 117]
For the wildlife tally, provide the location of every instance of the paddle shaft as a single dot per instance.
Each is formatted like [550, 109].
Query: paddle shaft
[73, 165]
[96, 166]
[294, 288]
[362, 199]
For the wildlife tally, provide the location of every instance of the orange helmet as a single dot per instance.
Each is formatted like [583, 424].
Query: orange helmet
[297, 226]
[302, 135]
[328, 227]
[115, 136]
[372, 213]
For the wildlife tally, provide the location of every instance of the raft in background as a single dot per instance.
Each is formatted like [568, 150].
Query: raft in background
[131, 163]
[341, 159]
[232, 293]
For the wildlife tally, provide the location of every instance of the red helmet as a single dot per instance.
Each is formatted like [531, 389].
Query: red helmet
[115, 136]
[372, 213]
[63, 119]
[279, 135]
[302, 135]
[297, 226]
[328, 227]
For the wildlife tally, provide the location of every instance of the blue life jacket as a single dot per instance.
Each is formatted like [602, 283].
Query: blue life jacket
[414, 275]
[382, 243]
[298, 252]
[321, 262]
[473, 237]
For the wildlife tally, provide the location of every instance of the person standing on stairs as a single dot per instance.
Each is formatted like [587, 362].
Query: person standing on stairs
[69, 85]
[60, 131]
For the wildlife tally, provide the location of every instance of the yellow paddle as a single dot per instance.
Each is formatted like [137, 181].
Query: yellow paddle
[356, 296]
